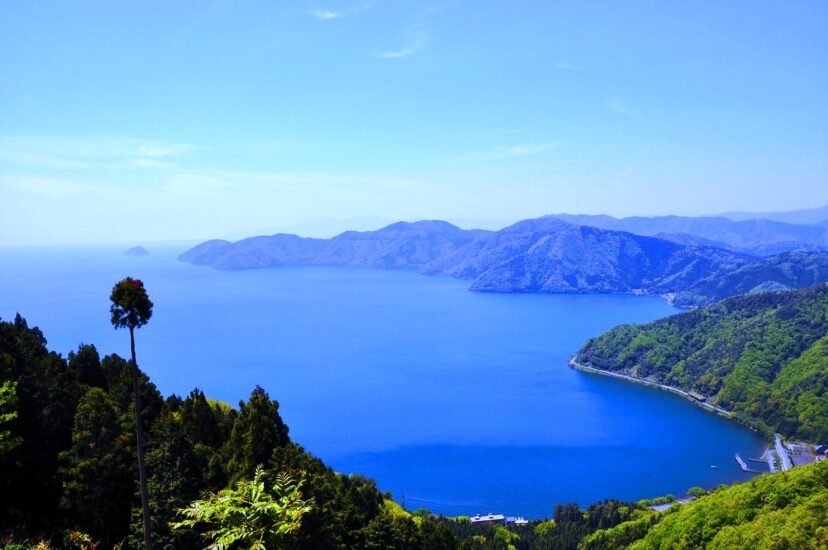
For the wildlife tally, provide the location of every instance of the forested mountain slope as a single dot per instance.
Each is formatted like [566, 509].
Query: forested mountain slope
[764, 356]
[67, 455]
[784, 510]
[547, 255]
[781, 272]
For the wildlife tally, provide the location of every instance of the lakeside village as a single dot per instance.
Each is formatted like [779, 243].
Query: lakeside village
[498, 518]
[781, 456]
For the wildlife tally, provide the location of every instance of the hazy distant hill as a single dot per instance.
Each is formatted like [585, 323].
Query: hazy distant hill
[399, 245]
[760, 237]
[694, 240]
[807, 216]
[781, 272]
[136, 251]
[539, 255]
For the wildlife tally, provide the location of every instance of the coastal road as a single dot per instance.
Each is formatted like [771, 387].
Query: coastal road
[783, 454]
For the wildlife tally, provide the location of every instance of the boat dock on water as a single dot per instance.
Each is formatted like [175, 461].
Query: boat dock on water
[747, 468]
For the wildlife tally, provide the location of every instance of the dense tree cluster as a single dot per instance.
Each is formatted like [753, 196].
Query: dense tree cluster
[67, 455]
[764, 356]
[567, 528]
[785, 510]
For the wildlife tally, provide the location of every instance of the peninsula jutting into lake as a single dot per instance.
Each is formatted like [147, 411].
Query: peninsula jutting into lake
[552, 256]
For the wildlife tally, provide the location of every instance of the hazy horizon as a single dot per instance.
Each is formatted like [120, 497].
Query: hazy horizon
[312, 228]
[154, 122]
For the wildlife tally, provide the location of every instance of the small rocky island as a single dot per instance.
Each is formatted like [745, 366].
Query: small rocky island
[136, 251]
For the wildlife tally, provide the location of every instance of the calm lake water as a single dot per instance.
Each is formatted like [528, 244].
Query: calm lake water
[459, 402]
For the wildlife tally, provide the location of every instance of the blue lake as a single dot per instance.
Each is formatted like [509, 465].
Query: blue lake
[458, 402]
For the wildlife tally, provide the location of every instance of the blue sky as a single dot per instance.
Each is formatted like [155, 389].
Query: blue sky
[147, 121]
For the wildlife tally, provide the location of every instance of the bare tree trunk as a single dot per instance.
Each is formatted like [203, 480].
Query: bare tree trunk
[139, 439]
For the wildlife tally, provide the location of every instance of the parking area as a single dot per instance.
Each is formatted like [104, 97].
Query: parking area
[800, 454]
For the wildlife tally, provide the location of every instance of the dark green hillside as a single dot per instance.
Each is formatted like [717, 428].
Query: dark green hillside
[764, 356]
[68, 465]
[785, 510]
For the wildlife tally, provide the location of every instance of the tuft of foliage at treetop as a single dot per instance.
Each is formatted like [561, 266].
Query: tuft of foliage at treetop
[763, 356]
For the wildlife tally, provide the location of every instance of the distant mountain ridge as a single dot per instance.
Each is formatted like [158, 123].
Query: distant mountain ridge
[541, 255]
[807, 216]
[548, 255]
[399, 245]
[753, 236]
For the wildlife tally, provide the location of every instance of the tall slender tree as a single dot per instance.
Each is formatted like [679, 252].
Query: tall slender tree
[132, 308]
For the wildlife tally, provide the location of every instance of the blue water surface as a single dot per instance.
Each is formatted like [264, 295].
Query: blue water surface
[455, 401]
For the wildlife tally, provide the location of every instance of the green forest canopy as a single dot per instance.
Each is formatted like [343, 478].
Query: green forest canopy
[763, 356]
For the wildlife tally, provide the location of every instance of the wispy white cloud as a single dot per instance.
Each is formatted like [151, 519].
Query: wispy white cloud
[162, 150]
[10, 157]
[418, 43]
[514, 151]
[324, 14]
[616, 106]
[49, 187]
[277, 146]
[79, 153]
[564, 66]
[150, 163]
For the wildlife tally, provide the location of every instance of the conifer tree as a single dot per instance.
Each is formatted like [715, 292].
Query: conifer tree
[98, 479]
[87, 364]
[175, 481]
[131, 308]
[256, 432]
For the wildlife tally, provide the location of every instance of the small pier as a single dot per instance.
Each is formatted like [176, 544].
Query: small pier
[747, 468]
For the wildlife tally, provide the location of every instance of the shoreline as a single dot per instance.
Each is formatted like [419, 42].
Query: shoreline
[713, 409]
[668, 297]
